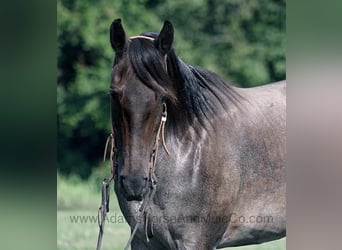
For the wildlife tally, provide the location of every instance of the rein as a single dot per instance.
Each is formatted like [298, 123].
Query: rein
[104, 208]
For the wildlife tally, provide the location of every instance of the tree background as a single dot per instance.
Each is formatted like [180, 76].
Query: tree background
[242, 40]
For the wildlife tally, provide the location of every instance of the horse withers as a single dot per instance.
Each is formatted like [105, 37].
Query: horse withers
[200, 164]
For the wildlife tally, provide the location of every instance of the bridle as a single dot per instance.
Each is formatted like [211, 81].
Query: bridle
[152, 180]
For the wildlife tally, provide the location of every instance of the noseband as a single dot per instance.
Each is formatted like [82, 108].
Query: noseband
[104, 208]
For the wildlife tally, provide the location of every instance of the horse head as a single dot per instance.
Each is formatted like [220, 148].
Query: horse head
[140, 88]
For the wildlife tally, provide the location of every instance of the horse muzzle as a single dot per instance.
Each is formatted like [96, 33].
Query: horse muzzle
[133, 187]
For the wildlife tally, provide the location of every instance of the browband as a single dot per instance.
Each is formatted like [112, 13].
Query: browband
[144, 37]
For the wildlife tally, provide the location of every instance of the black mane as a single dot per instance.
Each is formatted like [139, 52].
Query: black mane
[192, 93]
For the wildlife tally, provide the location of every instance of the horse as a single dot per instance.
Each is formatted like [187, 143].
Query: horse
[199, 163]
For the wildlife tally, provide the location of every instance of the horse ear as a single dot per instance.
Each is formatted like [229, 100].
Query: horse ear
[165, 38]
[117, 36]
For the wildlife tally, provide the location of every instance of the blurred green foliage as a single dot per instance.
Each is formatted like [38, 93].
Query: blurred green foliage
[244, 41]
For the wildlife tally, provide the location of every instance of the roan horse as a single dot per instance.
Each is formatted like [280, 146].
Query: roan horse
[200, 164]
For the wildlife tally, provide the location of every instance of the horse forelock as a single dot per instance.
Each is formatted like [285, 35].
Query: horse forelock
[149, 67]
[190, 90]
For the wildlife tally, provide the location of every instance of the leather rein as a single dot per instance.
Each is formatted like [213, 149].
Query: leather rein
[104, 207]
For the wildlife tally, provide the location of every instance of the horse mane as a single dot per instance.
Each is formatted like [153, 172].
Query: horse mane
[192, 93]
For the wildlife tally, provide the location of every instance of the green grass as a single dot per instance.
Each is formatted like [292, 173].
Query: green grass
[77, 199]
[71, 235]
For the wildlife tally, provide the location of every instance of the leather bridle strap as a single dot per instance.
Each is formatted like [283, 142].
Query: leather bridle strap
[154, 153]
[144, 37]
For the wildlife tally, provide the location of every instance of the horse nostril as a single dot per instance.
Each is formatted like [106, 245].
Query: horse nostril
[145, 178]
[122, 179]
